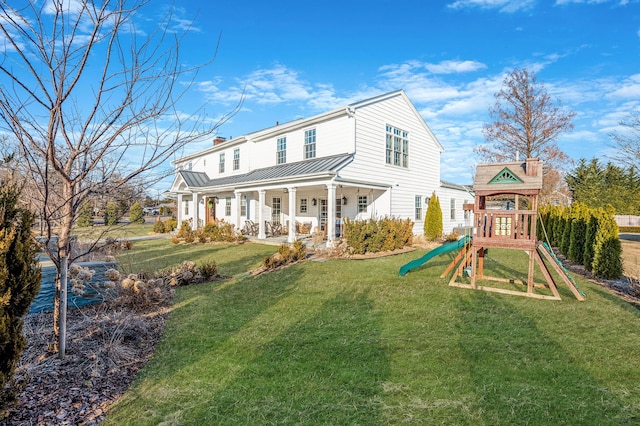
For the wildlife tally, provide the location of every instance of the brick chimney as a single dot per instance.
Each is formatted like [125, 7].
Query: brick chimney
[533, 167]
[218, 140]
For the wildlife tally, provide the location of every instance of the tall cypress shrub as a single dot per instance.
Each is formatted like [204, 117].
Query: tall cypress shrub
[111, 214]
[578, 233]
[19, 283]
[433, 219]
[85, 216]
[566, 232]
[589, 239]
[136, 213]
[607, 251]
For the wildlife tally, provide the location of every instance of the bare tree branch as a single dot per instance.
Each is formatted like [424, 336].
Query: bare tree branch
[92, 103]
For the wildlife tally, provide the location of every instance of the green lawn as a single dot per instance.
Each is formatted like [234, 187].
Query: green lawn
[350, 342]
[120, 231]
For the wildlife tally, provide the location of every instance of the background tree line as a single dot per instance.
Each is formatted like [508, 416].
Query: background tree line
[596, 185]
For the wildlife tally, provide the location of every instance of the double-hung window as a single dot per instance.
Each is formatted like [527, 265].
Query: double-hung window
[227, 206]
[281, 151]
[310, 144]
[362, 203]
[397, 147]
[221, 163]
[453, 208]
[243, 205]
[236, 159]
[418, 207]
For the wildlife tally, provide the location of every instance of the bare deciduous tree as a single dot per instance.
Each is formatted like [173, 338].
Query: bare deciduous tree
[627, 140]
[93, 101]
[526, 122]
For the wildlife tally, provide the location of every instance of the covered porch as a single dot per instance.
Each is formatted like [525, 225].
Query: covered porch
[292, 200]
[290, 211]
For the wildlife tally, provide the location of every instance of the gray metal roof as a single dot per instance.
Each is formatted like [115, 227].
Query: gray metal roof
[299, 169]
[194, 179]
[452, 185]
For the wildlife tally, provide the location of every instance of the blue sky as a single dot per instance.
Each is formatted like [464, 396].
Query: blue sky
[296, 59]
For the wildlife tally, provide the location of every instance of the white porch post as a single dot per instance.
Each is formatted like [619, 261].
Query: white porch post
[238, 196]
[179, 211]
[196, 207]
[331, 213]
[262, 234]
[292, 214]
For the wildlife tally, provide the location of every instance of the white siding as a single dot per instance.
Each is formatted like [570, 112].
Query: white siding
[332, 137]
[422, 176]
[445, 196]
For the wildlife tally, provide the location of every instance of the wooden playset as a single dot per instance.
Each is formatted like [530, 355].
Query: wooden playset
[504, 215]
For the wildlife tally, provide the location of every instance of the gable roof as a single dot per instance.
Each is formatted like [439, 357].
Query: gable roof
[327, 166]
[305, 122]
[511, 176]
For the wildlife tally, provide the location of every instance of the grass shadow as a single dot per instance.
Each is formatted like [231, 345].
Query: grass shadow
[326, 369]
[521, 375]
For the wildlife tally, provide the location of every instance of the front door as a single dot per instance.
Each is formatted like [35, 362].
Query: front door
[211, 209]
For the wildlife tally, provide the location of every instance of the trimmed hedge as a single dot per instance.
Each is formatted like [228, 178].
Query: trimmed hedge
[584, 235]
[370, 236]
[629, 229]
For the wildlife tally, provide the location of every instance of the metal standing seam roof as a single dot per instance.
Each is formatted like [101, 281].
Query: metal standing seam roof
[298, 169]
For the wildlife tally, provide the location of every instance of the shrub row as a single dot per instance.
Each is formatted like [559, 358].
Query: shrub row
[630, 229]
[168, 225]
[584, 235]
[373, 235]
[219, 231]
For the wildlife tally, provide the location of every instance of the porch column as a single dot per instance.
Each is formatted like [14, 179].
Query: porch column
[179, 212]
[238, 196]
[196, 207]
[262, 234]
[331, 213]
[292, 214]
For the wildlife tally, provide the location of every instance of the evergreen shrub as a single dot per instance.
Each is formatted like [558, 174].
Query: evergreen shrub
[433, 219]
[19, 283]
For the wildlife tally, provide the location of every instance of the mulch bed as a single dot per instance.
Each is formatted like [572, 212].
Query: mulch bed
[106, 346]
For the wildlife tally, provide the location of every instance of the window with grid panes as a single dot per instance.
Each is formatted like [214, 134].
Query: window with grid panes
[227, 206]
[418, 207]
[362, 203]
[236, 159]
[397, 147]
[310, 143]
[243, 205]
[281, 151]
[221, 163]
[276, 209]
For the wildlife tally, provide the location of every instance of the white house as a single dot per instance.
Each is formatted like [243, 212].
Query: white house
[369, 159]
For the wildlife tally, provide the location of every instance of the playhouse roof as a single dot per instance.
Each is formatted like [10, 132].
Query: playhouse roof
[508, 177]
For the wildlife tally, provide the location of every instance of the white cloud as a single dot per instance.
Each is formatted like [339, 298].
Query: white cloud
[629, 88]
[450, 67]
[505, 6]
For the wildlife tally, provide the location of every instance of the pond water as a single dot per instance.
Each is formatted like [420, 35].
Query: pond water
[94, 293]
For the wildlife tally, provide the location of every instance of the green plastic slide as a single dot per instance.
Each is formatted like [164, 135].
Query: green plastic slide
[445, 248]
